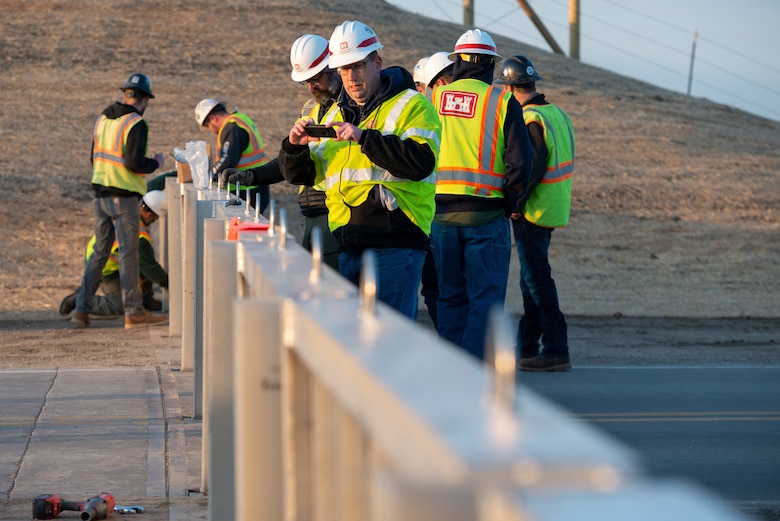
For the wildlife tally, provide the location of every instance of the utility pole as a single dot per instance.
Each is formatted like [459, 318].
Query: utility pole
[574, 29]
[690, 71]
[468, 13]
[540, 26]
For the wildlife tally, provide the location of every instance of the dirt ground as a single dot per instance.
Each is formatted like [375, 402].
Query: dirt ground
[671, 256]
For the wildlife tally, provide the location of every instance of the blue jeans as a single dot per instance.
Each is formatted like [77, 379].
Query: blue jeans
[473, 267]
[116, 218]
[398, 273]
[542, 318]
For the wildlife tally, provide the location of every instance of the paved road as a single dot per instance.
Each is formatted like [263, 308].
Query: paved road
[719, 426]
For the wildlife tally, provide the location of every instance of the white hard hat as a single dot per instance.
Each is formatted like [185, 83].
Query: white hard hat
[475, 41]
[157, 201]
[352, 42]
[308, 56]
[419, 76]
[435, 65]
[204, 108]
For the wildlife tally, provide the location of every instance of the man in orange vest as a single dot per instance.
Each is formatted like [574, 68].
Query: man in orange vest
[548, 207]
[119, 163]
[239, 145]
[482, 178]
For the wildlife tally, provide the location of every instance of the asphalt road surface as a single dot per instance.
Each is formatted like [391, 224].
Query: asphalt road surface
[718, 426]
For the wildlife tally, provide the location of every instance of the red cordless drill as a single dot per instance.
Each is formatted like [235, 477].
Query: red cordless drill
[49, 506]
[98, 507]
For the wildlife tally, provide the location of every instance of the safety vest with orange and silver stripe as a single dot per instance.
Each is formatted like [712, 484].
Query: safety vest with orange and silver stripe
[108, 154]
[112, 264]
[471, 161]
[549, 205]
[253, 155]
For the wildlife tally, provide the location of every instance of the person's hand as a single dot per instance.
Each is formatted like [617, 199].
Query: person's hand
[160, 158]
[298, 135]
[234, 175]
[347, 132]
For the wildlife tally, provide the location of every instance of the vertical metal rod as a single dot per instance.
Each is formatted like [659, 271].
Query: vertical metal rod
[500, 354]
[315, 275]
[468, 13]
[247, 199]
[257, 207]
[368, 283]
[282, 228]
[271, 217]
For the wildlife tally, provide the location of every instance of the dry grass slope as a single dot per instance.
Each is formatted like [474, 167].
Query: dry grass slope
[658, 173]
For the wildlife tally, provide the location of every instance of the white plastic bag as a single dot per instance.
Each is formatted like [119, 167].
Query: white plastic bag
[196, 155]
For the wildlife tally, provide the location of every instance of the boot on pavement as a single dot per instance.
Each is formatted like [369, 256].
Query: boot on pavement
[68, 304]
[79, 319]
[145, 319]
[152, 304]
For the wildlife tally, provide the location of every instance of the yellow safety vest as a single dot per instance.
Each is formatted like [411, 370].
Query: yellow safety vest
[112, 264]
[350, 175]
[549, 205]
[472, 116]
[253, 155]
[108, 154]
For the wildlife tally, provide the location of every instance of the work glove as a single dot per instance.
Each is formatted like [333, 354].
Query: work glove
[234, 175]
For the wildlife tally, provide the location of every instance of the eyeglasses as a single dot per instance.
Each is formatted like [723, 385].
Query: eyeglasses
[357, 68]
[314, 80]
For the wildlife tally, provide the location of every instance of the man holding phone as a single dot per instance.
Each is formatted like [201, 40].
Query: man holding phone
[309, 61]
[377, 169]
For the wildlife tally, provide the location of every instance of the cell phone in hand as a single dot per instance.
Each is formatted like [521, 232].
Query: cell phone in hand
[320, 131]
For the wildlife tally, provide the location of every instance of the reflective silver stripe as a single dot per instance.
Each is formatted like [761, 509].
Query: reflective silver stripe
[472, 178]
[491, 120]
[557, 171]
[375, 175]
[395, 112]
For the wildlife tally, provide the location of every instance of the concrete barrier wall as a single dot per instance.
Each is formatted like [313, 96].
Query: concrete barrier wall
[320, 404]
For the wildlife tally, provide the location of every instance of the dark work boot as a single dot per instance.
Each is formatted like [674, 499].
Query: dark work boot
[151, 303]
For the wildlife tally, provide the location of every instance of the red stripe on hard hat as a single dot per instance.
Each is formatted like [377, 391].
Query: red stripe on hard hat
[473, 46]
[324, 55]
[366, 43]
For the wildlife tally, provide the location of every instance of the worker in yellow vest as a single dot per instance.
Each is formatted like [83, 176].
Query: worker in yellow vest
[239, 145]
[119, 163]
[547, 208]
[309, 58]
[109, 304]
[482, 178]
[377, 167]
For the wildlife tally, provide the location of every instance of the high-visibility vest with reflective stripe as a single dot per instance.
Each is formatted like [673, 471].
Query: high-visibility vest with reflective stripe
[112, 264]
[108, 154]
[350, 175]
[253, 155]
[472, 116]
[549, 205]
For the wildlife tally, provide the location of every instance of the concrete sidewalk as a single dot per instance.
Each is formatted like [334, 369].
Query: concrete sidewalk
[127, 431]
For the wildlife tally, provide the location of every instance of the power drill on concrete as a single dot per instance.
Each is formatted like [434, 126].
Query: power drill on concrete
[49, 506]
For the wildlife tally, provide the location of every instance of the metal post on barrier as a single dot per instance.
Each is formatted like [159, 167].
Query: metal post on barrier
[272, 218]
[221, 287]
[259, 486]
[500, 354]
[368, 284]
[282, 228]
[315, 275]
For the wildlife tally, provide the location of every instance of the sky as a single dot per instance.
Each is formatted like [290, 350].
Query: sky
[735, 59]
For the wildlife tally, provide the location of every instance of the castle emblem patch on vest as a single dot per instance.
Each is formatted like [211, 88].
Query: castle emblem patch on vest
[459, 104]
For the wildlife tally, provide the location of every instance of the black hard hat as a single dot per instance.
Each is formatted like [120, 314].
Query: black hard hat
[517, 70]
[139, 82]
